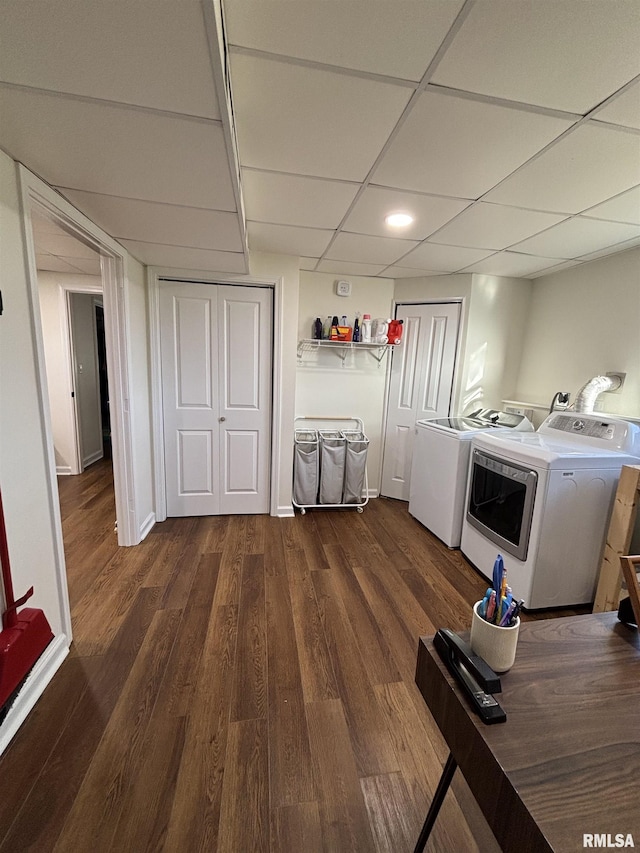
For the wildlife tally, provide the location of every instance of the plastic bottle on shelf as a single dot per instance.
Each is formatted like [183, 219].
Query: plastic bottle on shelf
[326, 329]
[365, 335]
[333, 334]
[395, 331]
[356, 328]
[317, 329]
[343, 320]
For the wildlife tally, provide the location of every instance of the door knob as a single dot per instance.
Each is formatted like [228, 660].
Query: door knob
[222, 419]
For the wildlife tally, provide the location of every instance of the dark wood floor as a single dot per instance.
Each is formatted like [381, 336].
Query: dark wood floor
[242, 683]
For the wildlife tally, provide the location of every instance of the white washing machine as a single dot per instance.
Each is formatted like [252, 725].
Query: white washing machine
[543, 500]
[439, 468]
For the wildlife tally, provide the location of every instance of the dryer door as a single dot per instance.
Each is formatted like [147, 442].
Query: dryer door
[501, 498]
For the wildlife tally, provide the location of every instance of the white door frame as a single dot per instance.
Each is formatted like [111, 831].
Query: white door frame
[155, 275]
[33, 191]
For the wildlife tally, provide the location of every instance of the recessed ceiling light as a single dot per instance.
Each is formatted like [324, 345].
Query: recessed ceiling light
[399, 220]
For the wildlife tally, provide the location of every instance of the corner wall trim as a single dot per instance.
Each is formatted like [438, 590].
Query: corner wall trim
[147, 525]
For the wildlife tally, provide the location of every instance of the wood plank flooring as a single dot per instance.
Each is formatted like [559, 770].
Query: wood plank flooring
[242, 683]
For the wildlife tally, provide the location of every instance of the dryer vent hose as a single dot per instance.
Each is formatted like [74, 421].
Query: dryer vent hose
[591, 390]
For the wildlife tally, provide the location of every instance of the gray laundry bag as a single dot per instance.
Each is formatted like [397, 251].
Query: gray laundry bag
[306, 467]
[355, 465]
[332, 457]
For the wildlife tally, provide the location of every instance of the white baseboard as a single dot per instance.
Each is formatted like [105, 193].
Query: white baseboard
[91, 458]
[43, 671]
[284, 511]
[146, 525]
[63, 470]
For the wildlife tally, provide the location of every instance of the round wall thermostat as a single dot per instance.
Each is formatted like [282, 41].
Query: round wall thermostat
[343, 288]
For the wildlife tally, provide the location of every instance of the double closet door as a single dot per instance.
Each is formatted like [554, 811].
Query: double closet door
[216, 363]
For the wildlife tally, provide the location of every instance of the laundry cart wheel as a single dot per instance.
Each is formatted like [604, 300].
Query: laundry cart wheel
[360, 509]
[302, 510]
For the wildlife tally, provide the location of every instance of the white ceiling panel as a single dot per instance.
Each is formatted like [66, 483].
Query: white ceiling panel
[350, 268]
[63, 244]
[311, 122]
[567, 55]
[294, 200]
[623, 208]
[564, 265]
[308, 263]
[287, 239]
[180, 257]
[589, 165]
[511, 265]
[574, 237]
[429, 212]
[609, 250]
[494, 226]
[623, 110]
[432, 256]
[52, 263]
[459, 147]
[117, 150]
[357, 35]
[405, 272]
[364, 249]
[86, 265]
[151, 222]
[146, 53]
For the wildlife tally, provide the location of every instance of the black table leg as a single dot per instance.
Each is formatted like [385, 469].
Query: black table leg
[434, 808]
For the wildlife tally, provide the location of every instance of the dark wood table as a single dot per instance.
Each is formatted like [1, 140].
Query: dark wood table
[566, 763]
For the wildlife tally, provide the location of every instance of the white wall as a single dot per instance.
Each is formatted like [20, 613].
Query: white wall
[584, 321]
[326, 386]
[24, 471]
[284, 270]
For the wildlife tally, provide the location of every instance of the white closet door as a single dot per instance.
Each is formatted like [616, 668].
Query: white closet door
[216, 376]
[420, 387]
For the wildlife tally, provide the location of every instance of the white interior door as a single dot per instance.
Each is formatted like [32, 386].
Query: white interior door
[215, 344]
[420, 387]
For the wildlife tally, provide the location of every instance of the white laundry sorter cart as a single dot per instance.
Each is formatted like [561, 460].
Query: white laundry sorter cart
[330, 463]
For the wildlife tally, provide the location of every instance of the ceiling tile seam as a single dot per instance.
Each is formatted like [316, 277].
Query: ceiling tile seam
[623, 128]
[317, 65]
[613, 96]
[415, 95]
[506, 103]
[88, 99]
[62, 190]
[179, 246]
[280, 173]
[327, 228]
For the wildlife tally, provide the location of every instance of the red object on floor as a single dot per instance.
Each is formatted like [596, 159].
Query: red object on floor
[25, 635]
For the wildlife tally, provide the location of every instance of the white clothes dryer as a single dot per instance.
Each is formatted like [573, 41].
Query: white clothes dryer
[439, 468]
[543, 500]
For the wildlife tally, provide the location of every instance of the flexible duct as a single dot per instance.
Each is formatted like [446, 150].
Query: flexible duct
[591, 390]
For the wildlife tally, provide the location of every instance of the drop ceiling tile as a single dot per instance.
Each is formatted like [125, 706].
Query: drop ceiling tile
[610, 250]
[429, 212]
[575, 237]
[511, 265]
[295, 119]
[146, 53]
[50, 263]
[405, 272]
[351, 35]
[117, 150]
[567, 56]
[287, 239]
[149, 222]
[350, 268]
[85, 265]
[624, 110]
[308, 263]
[179, 257]
[432, 256]
[623, 208]
[458, 147]
[364, 249]
[587, 166]
[565, 265]
[493, 226]
[295, 200]
[63, 244]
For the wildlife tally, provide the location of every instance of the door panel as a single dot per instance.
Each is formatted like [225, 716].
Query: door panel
[420, 386]
[215, 346]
